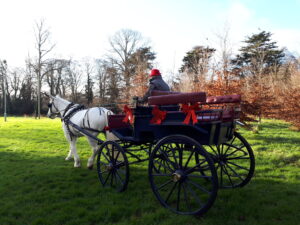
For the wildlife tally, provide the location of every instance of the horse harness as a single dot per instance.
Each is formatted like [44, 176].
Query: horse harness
[71, 110]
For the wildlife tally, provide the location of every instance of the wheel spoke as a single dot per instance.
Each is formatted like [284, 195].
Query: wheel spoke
[161, 175]
[113, 173]
[230, 144]
[168, 160]
[237, 150]
[106, 178]
[103, 163]
[108, 152]
[228, 175]
[194, 167]
[198, 186]
[102, 153]
[170, 193]
[241, 167]
[187, 162]
[194, 194]
[120, 164]
[182, 175]
[105, 171]
[164, 184]
[118, 176]
[178, 196]
[221, 175]
[199, 176]
[235, 173]
[117, 156]
[166, 167]
[213, 150]
[186, 197]
[239, 157]
[222, 150]
[174, 155]
[113, 153]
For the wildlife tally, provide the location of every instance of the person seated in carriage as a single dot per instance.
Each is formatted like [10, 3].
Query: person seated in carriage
[156, 83]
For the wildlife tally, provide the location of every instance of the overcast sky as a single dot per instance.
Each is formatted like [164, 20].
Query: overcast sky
[82, 28]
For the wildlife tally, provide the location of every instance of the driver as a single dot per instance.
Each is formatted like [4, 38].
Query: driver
[156, 83]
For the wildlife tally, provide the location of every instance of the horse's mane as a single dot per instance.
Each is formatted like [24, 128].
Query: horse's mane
[61, 99]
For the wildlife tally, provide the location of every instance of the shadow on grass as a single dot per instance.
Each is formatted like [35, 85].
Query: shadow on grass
[274, 126]
[48, 190]
[276, 140]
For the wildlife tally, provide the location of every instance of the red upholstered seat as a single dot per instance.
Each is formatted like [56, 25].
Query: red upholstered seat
[157, 93]
[172, 99]
[116, 121]
[223, 99]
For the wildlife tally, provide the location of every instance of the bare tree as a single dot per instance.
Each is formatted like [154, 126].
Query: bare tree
[4, 86]
[124, 43]
[15, 80]
[43, 47]
[102, 78]
[74, 79]
[56, 72]
[225, 54]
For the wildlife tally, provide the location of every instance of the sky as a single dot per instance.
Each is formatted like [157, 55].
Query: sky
[81, 29]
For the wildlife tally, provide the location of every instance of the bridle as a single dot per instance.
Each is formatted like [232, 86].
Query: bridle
[57, 113]
[51, 111]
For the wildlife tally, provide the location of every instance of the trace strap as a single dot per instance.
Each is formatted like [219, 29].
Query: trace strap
[189, 110]
[128, 115]
[158, 115]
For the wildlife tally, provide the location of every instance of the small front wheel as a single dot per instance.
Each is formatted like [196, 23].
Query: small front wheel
[112, 166]
[176, 178]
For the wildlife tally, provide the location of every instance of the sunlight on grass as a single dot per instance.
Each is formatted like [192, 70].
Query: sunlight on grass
[37, 186]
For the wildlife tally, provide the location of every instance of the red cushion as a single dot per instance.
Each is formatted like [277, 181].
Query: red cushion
[173, 99]
[116, 121]
[224, 99]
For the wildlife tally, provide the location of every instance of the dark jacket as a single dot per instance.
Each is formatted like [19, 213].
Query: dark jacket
[155, 83]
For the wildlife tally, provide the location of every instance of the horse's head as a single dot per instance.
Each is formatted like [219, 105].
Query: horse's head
[53, 110]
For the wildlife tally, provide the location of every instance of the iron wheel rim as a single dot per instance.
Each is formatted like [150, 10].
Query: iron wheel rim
[112, 166]
[181, 186]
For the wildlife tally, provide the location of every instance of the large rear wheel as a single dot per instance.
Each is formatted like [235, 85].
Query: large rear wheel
[176, 178]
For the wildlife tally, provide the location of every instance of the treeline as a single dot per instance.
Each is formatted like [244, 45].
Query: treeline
[267, 77]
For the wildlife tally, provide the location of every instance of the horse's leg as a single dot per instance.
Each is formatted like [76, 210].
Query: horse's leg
[69, 156]
[94, 145]
[74, 152]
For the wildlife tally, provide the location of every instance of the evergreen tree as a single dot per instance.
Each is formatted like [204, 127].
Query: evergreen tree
[259, 56]
[197, 60]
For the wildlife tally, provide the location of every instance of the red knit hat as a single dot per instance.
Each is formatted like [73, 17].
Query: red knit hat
[154, 72]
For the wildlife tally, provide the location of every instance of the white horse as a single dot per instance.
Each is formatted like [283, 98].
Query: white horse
[92, 120]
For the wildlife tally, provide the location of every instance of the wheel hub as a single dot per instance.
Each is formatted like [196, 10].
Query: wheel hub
[110, 167]
[177, 176]
[221, 159]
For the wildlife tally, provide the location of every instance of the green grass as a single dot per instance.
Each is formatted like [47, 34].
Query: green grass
[37, 186]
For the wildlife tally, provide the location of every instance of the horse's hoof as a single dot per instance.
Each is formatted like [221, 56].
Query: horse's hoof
[90, 167]
[68, 158]
[77, 166]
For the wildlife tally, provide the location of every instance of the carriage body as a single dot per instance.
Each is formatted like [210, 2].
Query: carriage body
[191, 152]
[215, 123]
[210, 128]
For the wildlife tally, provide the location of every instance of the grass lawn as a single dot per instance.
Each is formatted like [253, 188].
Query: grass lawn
[37, 186]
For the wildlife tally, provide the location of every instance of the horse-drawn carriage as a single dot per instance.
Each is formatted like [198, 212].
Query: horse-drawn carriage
[191, 145]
